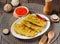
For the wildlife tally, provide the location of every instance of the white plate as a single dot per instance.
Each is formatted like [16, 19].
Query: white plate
[24, 37]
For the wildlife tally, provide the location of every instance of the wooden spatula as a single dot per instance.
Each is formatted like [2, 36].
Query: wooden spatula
[43, 39]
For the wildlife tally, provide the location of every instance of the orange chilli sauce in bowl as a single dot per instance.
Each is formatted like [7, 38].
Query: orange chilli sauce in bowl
[20, 11]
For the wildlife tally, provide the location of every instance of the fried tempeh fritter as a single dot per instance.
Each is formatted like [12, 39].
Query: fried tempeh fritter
[33, 19]
[34, 27]
[23, 30]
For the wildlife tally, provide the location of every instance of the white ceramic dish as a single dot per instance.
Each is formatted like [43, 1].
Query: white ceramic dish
[24, 37]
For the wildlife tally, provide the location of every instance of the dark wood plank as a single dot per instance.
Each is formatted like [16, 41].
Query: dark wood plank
[34, 8]
[23, 1]
[6, 23]
[4, 41]
[59, 7]
[59, 40]
[59, 16]
[0, 38]
[1, 7]
[0, 30]
[42, 2]
[8, 1]
[56, 42]
[2, 3]
[55, 5]
[0, 26]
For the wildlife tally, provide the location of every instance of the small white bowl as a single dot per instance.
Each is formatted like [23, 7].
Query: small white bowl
[16, 15]
[24, 37]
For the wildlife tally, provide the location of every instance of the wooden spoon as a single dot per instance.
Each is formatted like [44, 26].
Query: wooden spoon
[43, 39]
[50, 36]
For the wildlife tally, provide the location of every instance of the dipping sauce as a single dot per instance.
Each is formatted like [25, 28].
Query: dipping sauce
[21, 11]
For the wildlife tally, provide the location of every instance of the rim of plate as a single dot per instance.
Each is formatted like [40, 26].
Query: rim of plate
[24, 37]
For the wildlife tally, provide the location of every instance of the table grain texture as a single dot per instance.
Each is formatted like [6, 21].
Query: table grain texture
[35, 6]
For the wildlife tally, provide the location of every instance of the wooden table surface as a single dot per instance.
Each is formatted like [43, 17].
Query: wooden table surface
[6, 20]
